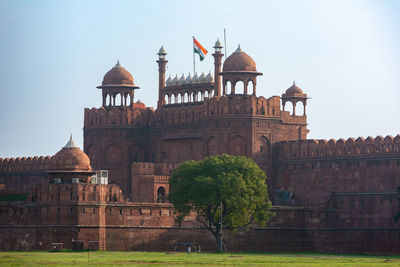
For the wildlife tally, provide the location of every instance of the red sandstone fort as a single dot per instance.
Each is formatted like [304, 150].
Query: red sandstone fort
[328, 195]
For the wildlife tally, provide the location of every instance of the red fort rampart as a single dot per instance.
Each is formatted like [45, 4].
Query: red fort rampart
[332, 196]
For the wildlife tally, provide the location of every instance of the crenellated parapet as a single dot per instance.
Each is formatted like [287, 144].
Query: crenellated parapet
[220, 106]
[118, 116]
[149, 168]
[25, 164]
[313, 148]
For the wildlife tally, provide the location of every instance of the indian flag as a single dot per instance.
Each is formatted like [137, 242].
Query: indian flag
[199, 49]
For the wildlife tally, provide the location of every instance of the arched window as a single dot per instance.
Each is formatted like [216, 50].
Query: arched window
[239, 88]
[161, 198]
[166, 99]
[199, 97]
[250, 87]
[228, 88]
[206, 94]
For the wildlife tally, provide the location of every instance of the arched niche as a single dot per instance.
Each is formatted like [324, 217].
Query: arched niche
[262, 149]
[113, 154]
[237, 146]
[212, 146]
[161, 195]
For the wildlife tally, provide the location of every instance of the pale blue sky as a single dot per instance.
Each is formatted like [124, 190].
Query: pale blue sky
[345, 54]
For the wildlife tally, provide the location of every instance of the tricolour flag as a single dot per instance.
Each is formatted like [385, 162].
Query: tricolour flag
[199, 49]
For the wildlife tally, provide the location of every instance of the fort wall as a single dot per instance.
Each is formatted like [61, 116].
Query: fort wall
[312, 169]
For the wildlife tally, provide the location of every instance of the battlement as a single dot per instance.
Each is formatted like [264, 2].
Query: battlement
[149, 168]
[118, 116]
[75, 192]
[221, 106]
[24, 164]
[313, 148]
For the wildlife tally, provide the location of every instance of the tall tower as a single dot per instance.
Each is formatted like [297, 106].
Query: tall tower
[217, 67]
[162, 63]
[118, 88]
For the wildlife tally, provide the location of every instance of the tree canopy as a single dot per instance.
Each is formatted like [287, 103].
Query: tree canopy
[231, 188]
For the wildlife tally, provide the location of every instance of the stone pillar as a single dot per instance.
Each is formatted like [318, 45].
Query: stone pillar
[294, 108]
[162, 63]
[104, 99]
[217, 70]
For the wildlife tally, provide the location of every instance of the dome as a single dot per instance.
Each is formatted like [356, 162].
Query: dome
[169, 81]
[294, 90]
[195, 78]
[239, 61]
[188, 79]
[118, 76]
[71, 158]
[202, 78]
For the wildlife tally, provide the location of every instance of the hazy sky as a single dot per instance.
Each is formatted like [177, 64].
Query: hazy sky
[344, 54]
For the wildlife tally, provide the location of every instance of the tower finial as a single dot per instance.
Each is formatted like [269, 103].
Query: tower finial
[117, 65]
[70, 138]
[239, 49]
[294, 82]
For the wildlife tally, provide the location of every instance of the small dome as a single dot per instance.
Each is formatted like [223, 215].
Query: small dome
[209, 77]
[202, 78]
[175, 81]
[182, 79]
[161, 51]
[70, 158]
[169, 81]
[294, 90]
[188, 79]
[239, 61]
[218, 44]
[195, 78]
[118, 76]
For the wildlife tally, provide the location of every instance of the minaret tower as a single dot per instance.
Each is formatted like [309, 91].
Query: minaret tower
[162, 63]
[217, 67]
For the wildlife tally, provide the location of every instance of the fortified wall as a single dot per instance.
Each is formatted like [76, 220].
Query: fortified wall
[18, 174]
[312, 169]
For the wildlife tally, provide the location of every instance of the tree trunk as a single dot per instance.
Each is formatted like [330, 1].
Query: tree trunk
[220, 240]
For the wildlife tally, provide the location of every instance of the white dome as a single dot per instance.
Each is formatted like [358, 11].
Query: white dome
[195, 78]
[202, 78]
[182, 79]
[209, 77]
[175, 81]
[188, 79]
[169, 81]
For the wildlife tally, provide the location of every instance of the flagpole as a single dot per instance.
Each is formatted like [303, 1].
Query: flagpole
[194, 62]
[225, 41]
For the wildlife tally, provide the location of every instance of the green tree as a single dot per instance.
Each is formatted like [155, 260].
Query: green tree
[226, 192]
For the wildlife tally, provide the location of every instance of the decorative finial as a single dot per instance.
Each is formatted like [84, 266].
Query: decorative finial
[239, 49]
[294, 82]
[71, 143]
[117, 65]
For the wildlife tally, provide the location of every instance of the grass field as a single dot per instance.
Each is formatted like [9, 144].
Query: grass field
[194, 259]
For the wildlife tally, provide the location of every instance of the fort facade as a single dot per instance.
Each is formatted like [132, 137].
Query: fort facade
[336, 195]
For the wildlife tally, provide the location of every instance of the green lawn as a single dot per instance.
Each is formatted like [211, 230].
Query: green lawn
[194, 259]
